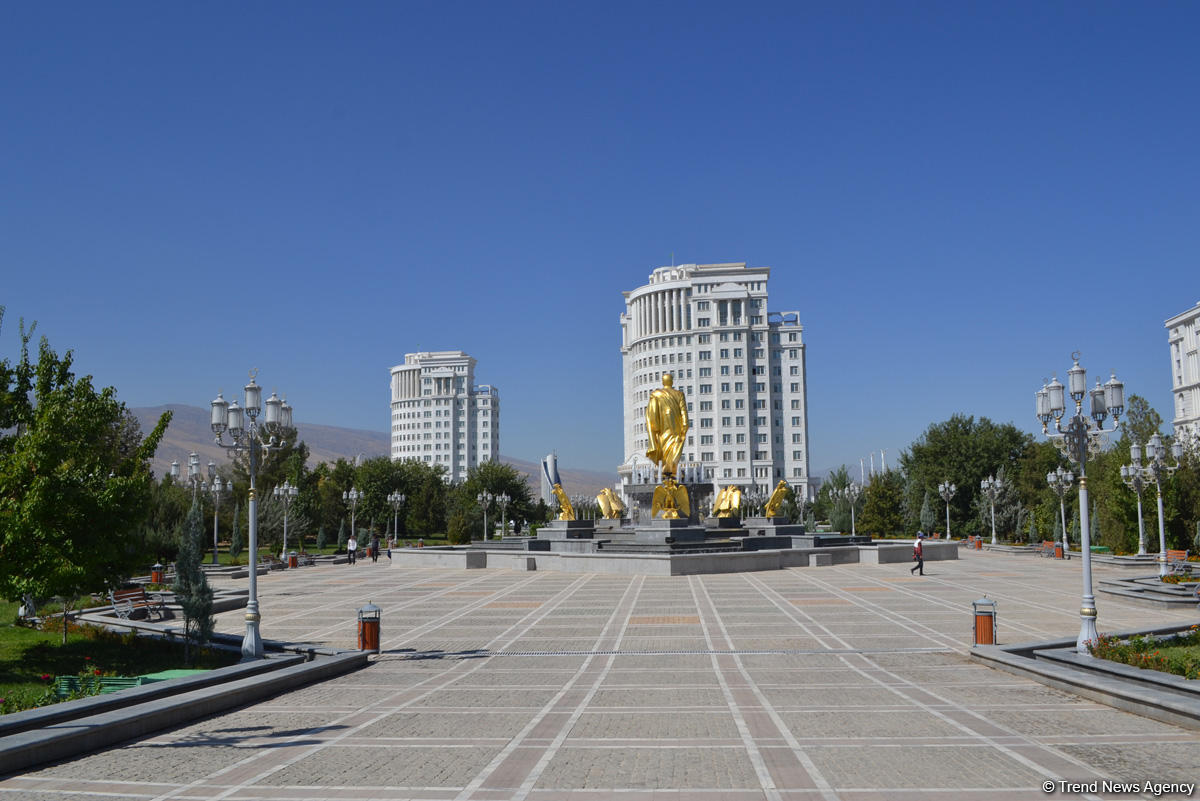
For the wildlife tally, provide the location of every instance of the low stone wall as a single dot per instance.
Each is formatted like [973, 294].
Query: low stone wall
[663, 564]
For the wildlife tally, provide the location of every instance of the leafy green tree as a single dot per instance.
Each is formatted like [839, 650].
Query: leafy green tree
[75, 482]
[342, 539]
[321, 539]
[191, 587]
[928, 513]
[882, 513]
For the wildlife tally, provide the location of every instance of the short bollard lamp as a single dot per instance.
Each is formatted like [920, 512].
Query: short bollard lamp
[156, 573]
[368, 628]
[985, 621]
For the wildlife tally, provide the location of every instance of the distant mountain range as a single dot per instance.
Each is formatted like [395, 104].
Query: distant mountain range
[190, 431]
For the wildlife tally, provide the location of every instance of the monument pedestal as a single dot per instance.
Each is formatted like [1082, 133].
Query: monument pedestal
[607, 526]
[772, 527]
[666, 532]
[568, 530]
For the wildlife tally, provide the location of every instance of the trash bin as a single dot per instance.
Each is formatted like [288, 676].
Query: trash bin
[156, 574]
[979, 543]
[1058, 551]
[985, 621]
[293, 559]
[368, 628]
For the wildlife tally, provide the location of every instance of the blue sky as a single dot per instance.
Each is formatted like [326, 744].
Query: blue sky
[955, 196]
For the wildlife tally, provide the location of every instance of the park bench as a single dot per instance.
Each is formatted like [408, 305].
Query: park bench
[66, 686]
[126, 602]
[1047, 548]
[1177, 562]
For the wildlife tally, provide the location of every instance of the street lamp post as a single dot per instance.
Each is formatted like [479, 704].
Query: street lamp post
[1134, 478]
[850, 492]
[286, 493]
[193, 474]
[218, 488]
[352, 496]
[396, 499]
[1157, 469]
[1082, 434]
[991, 487]
[503, 500]
[253, 439]
[1060, 482]
[485, 498]
[947, 490]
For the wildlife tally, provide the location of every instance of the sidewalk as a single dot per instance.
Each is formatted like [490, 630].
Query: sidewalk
[815, 683]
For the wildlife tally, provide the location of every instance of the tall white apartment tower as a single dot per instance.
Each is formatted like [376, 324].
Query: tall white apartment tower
[740, 366]
[439, 414]
[1183, 336]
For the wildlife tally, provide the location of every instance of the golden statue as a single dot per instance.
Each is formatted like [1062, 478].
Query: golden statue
[671, 499]
[566, 510]
[667, 424]
[728, 502]
[776, 500]
[610, 504]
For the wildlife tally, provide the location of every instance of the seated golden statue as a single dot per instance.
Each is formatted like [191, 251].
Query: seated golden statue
[728, 502]
[610, 504]
[566, 510]
[671, 499]
[782, 491]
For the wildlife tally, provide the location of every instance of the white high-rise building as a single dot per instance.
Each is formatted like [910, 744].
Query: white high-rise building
[440, 416]
[740, 366]
[1183, 337]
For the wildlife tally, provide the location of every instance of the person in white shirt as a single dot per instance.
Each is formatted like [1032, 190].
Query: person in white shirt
[352, 548]
[919, 554]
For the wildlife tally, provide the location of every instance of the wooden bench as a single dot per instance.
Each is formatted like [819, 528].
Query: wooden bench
[126, 602]
[1177, 562]
[1047, 548]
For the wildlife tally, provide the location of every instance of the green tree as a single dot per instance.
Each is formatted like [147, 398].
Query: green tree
[321, 539]
[235, 539]
[882, 513]
[191, 587]
[342, 539]
[75, 482]
[928, 513]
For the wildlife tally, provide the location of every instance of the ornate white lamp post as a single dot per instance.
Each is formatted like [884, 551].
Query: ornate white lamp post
[503, 500]
[352, 496]
[485, 498]
[1060, 482]
[218, 488]
[850, 492]
[286, 493]
[991, 487]
[396, 499]
[253, 439]
[1081, 435]
[1134, 478]
[1157, 469]
[947, 490]
[193, 474]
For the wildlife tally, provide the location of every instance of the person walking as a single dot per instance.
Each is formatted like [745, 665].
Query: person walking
[374, 547]
[919, 554]
[352, 548]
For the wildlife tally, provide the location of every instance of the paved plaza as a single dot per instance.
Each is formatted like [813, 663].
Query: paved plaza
[846, 682]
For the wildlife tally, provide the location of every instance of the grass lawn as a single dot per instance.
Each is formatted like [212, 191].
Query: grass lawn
[29, 655]
[1179, 654]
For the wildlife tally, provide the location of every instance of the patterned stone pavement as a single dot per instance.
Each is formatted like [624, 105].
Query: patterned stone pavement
[847, 682]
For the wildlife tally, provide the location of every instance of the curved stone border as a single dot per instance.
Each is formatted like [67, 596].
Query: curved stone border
[1149, 693]
[104, 721]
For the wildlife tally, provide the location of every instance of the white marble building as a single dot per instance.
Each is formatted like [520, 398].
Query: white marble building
[1183, 338]
[740, 366]
[440, 416]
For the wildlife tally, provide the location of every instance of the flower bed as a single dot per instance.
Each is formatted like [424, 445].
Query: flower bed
[1178, 654]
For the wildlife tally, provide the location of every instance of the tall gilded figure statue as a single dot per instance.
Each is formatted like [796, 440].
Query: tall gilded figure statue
[667, 425]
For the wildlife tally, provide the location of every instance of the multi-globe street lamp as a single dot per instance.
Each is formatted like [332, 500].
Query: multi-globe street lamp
[850, 493]
[503, 500]
[396, 499]
[1060, 482]
[485, 498]
[252, 439]
[193, 474]
[352, 496]
[1082, 434]
[991, 487]
[218, 488]
[947, 490]
[1135, 478]
[286, 493]
[1157, 469]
